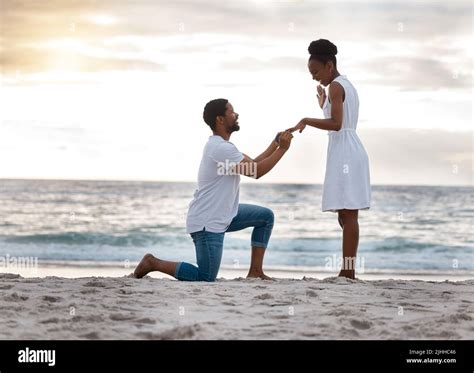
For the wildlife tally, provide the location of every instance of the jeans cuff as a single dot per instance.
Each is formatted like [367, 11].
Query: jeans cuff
[259, 244]
[177, 269]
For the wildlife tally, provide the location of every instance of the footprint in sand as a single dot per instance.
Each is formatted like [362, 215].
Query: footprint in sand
[88, 318]
[458, 317]
[91, 335]
[224, 295]
[280, 317]
[51, 299]
[310, 334]
[360, 324]
[351, 332]
[32, 281]
[53, 320]
[89, 291]
[121, 317]
[96, 284]
[228, 304]
[147, 335]
[237, 312]
[263, 296]
[9, 276]
[15, 297]
[181, 332]
[145, 320]
[340, 312]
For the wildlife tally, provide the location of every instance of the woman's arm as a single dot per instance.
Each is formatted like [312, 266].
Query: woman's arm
[336, 92]
[321, 96]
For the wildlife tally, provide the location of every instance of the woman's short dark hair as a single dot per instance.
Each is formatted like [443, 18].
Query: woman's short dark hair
[214, 109]
[322, 50]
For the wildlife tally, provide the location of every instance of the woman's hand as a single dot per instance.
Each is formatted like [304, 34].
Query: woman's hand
[299, 127]
[321, 95]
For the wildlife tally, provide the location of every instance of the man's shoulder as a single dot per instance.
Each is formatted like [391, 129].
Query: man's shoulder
[222, 145]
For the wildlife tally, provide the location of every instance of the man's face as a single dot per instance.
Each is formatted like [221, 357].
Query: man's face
[230, 119]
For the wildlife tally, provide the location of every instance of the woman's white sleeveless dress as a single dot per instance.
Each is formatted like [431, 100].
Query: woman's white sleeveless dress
[347, 181]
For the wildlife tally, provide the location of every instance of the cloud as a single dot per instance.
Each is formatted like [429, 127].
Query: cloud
[397, 53]
[376, 31]
[253, 64]
[415, 73]
[28, 60]
[420, 156]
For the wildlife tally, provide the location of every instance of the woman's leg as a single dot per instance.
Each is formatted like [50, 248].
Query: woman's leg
[208, 254]
[350, 241]
[262, 219]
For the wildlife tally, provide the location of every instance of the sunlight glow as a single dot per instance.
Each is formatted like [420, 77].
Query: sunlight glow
[103, 19]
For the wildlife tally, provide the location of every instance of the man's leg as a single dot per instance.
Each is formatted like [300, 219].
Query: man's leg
[209, 248]
[149, 264]
[256, 264]
[208, 254]
[262, 219]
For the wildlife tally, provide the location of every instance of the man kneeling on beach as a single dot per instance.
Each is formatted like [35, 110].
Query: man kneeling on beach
[215, 208]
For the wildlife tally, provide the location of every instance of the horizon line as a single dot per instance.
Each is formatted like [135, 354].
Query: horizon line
[195, 182]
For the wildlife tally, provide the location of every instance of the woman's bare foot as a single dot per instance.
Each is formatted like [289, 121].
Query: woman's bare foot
[145, 266]
[349, 273]
[259, 274]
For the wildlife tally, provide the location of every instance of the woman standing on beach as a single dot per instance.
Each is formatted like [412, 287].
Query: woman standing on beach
[347, 181]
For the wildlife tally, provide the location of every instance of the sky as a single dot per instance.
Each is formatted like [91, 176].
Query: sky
[116, 89]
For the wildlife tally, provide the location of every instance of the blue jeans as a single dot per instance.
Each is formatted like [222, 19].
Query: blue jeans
[209, 245]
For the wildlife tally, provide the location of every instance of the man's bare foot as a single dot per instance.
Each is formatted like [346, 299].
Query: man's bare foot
[349, 273]
[260, 275]
[145, 266]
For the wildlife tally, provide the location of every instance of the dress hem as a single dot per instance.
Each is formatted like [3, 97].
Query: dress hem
[345, 208]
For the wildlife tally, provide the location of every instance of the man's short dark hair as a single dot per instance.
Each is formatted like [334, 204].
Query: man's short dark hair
[212, 110]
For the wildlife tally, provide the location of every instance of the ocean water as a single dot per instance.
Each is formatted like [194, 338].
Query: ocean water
[408, 227]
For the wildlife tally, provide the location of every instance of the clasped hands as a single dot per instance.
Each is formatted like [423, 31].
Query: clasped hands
[284, 137]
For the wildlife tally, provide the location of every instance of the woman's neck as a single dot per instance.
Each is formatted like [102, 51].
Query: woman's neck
[335, 75]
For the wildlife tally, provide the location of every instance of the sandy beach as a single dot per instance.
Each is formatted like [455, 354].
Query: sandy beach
[161, 308]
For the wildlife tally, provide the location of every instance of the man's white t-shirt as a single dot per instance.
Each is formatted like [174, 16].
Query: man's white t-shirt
[216, 199]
